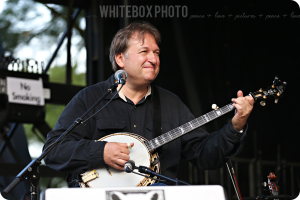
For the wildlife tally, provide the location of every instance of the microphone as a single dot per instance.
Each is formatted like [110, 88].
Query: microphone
[129, 166]
[121, 76]
[145, 170]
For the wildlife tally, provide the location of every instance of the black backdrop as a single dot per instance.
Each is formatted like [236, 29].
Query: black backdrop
[217, 57]
[222, 56]
[207, 60]
[229, 46]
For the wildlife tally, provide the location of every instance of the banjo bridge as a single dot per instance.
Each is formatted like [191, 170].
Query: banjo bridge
[90, 176]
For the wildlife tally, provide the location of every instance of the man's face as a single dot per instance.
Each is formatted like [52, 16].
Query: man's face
[141, 60]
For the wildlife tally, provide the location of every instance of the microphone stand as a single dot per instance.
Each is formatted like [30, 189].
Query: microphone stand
[31, 171]
[146, 170]
[234, 180]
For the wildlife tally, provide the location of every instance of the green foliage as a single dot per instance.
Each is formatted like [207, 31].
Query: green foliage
[55, 182]
[58, 75]
[14, 12]
[21, 21]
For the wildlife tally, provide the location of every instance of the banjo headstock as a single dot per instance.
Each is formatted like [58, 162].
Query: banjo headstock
[275, 91]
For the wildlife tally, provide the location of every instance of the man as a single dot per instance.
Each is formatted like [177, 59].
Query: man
[135, 50]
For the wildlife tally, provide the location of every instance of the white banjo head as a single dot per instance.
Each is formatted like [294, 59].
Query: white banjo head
[110, 177]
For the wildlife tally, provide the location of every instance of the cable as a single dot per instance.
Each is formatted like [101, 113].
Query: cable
[148, 177]
[238, 196]
[103, 106]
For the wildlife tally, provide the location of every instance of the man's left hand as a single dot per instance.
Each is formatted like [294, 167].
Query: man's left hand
[244, 106]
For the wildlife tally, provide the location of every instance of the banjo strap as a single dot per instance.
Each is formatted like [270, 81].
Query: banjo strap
[156, 113]
[156, 121]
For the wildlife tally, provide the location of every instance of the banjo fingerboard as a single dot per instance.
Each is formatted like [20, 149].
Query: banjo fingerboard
[187, 127]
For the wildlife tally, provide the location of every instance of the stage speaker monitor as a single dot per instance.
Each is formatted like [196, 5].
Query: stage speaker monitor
[207, 192]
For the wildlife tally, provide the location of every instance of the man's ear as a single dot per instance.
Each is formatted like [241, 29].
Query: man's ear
[119, 59]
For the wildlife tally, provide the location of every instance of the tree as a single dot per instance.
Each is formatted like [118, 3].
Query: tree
[21, 21]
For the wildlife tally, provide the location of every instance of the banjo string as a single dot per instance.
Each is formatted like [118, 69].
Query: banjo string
[187, 127]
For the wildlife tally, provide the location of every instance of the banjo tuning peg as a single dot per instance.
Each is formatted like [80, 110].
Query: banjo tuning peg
[263, 103]
[276, 81]
[214, 107]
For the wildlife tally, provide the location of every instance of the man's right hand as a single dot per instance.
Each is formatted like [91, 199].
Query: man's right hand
[116, 154]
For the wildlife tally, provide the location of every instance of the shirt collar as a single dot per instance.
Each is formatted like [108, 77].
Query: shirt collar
[111, 80]
[122, 96]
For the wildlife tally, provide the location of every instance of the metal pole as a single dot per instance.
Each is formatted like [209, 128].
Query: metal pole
[258, 173]
[222, 176]
[251, 179]
[292, 181]
[76, 13]
[206, 177]
[126, 20]
[191, 180]
[9, 135]
[69, 62]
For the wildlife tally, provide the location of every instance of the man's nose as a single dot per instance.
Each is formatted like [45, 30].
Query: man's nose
[152, 57]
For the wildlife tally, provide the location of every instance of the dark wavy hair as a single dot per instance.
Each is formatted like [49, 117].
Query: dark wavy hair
[120, 41]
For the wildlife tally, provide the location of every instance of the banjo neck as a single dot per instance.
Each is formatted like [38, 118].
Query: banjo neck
[275, 91]
[187, 127]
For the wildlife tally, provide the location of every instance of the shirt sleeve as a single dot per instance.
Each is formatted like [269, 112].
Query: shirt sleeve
[210, 151]
[77, 152]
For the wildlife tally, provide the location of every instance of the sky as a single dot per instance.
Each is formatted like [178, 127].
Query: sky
[1, 5]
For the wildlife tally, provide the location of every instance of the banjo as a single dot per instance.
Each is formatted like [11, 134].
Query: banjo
[143, 153]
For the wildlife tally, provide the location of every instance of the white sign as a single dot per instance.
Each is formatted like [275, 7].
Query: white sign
[25, 91]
